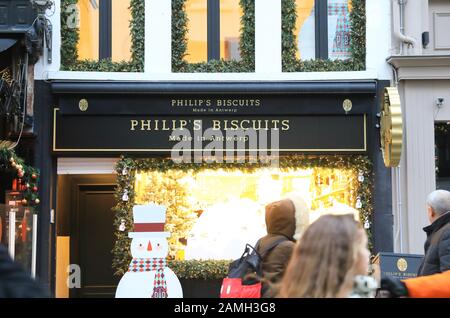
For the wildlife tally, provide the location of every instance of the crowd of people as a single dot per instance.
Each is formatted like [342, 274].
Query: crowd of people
[326, 259]
[330, 258]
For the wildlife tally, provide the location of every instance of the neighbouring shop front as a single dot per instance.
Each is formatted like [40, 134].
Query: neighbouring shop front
[328, 151]
[22, 28]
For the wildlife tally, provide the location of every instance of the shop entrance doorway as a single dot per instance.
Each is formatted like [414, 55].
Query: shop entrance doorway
[86, 217]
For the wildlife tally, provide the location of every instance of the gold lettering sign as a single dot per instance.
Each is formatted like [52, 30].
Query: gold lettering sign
[217, 103]
[391, 128]
[215, 124]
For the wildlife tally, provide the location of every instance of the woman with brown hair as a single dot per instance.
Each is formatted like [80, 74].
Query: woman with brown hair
[325, 263]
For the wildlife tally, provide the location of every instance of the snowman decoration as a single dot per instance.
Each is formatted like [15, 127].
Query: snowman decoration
[148, 276]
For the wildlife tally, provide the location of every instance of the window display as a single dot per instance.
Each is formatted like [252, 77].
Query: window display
[213, 213]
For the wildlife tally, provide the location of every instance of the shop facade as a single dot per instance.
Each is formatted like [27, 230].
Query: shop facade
[22, 42]
[93, 125]
[105, 136]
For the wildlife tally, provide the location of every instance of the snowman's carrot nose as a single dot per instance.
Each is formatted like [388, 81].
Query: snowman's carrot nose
[149, 246]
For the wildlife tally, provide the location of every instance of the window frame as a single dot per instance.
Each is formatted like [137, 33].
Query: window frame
[213, 30]
[321, 28]
[105, 29]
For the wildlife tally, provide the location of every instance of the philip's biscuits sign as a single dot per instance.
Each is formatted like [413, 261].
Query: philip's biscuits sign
[398, 266]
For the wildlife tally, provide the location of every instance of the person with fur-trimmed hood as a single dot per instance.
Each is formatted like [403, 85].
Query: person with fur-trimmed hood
[286, 220]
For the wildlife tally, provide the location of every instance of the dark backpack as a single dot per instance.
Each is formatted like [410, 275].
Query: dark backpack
[245, 273]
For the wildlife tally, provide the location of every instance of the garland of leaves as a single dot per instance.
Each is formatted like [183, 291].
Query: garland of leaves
[71, 36]
[357, 45]
[11, 163]
[246, 43]
[126, 176]
[200, 269]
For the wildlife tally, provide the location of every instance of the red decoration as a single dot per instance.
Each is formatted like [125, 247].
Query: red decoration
[34, 176]
[24, 228]
[35, 189]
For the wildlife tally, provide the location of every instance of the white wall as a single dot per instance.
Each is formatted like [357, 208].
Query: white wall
[268, 36]
[42, 67]
[86, 165]
[158, 30]
[378, 37]
[417, 168]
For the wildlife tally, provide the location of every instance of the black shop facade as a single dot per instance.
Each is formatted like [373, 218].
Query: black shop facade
[214, 154]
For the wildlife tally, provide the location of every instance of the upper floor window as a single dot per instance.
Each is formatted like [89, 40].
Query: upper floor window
[323, 29]
[104, 31]
[213, 30]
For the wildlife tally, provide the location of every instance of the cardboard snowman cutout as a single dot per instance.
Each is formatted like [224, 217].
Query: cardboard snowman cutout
[148, 276]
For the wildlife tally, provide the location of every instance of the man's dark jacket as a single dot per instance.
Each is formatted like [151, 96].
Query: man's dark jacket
[15, 282]
[437, 247]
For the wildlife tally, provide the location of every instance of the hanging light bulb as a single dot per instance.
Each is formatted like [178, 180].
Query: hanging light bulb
[358, 203]
[361, 177]
[125, 196]
[122, 225]
[367, 224]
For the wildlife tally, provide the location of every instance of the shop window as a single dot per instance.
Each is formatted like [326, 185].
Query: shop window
[197, 47]
[104, 30]
[306, 30]
[88, 44]
[442, 148]
[323, 29]
[339, 29]
[225, 209]
[213, 30]
[230, 16]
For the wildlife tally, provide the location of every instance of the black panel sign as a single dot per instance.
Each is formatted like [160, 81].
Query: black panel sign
[398, 266]
[137, 133]
[211, 105]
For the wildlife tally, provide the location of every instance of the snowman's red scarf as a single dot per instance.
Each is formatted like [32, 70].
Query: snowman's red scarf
[148, 265]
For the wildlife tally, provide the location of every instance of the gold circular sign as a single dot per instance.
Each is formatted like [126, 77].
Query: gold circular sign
[83, 105]
[391, 128]
[347, 105]
[402, 264]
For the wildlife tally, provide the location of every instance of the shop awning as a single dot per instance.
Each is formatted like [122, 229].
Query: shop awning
[6, 44]
[293, 87]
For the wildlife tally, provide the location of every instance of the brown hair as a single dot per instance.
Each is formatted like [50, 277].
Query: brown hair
[323, 260]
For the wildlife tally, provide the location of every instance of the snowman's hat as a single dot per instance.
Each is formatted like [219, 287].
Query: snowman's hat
[149, 221]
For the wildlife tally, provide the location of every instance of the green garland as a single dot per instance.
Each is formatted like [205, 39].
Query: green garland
[246, 43]
[126, 173]
[11, 163]
[357, 45]
[200, 269]
[70, 38]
